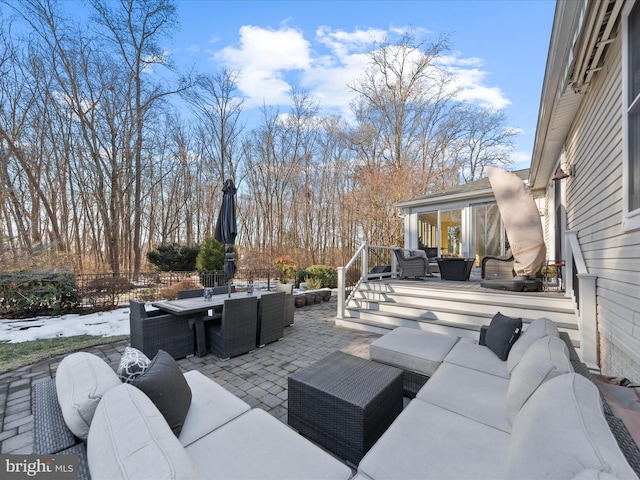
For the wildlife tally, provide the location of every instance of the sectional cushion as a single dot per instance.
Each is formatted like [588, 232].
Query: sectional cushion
[211, 407]
[258, 446]
[539, 328]
[412, 349]
[427, 441]
[81, 380]
[467, 353]
[581, 442]
[545, 359]
[502, 333]
[164, 383]
[129, 438]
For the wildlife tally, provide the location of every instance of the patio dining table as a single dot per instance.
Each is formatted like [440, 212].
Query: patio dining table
[197, 308]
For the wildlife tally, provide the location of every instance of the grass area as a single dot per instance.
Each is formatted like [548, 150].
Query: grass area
[16, 355]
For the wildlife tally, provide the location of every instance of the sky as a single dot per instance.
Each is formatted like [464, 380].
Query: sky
[498, 49]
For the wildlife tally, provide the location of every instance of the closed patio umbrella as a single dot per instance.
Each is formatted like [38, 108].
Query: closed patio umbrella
[521, 220]
[226, 229]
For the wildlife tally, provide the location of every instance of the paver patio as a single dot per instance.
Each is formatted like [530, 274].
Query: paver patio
[259, 378]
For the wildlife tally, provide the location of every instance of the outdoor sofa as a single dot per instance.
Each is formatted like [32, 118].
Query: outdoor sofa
[535, 414]
[140, 430]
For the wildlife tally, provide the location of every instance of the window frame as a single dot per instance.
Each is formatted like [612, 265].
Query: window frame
[630, 218]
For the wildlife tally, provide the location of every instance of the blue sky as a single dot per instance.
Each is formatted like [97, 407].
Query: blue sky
[499, 48]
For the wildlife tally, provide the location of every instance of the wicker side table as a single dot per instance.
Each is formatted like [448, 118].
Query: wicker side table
[345, 403]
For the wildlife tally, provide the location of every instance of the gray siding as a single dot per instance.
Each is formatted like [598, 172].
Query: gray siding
[594, 209]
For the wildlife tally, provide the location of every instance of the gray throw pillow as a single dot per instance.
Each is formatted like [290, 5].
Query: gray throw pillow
[502, 333]
[165, 385]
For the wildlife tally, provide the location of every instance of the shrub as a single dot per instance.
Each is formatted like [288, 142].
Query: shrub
[313, 283]
[104, 292]
[211, 256]
[174, 257]
[326, 275]
[27, 293]
[286, 268]
[171, 293]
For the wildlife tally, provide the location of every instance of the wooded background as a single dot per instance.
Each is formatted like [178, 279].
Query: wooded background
[100, 161]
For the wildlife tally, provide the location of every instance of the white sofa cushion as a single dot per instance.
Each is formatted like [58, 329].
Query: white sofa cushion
[427, 441]
[412, 349]
[541, 327]
[478, 396]
[561, 432]
[545, 359]
[256, 445]
[129, 438]
[211, 406]
[467, 353]
[81, 380]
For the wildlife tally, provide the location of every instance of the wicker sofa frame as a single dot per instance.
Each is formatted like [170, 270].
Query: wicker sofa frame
[157, 330]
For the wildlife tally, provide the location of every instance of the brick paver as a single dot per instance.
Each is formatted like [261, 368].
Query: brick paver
[259, 378]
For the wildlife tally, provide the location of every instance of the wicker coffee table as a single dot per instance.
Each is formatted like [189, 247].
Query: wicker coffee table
[345, 403]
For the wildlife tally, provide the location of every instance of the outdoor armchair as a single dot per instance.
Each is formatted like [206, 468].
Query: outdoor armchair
[159, 331]
[412, 263]
[235, 333]
[498, 267]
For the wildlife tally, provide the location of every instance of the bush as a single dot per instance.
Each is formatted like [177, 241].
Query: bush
[174, 257]
[25, 294]
[326, 275]
[286, 268]
[211, 256]
[103, 293]
[171, 293]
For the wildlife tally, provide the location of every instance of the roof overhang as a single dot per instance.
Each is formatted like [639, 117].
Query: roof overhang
[581, 33]
[476, 195]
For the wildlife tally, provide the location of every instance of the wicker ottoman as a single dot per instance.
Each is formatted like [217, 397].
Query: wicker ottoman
[345, 403]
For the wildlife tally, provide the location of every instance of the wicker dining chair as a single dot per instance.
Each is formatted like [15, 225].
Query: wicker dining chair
[289, 302]
[235, 333]
[155, 331]
[270, 318]
[198, 292]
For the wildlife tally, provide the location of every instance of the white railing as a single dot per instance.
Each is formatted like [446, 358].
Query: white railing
[581, 285]
[357, 270]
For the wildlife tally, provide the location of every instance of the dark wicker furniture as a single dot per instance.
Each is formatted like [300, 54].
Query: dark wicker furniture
[289, 302]
[494, 268]
[412, 266]
[159, 331]
[270, 318]
[198, 292]
[236, 331]
[455, 268]
[345, 403]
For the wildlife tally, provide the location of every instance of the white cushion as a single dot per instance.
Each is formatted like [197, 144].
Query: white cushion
[211, 407]
[545, 359]
[561, 432]
[427, 441]
[478, 396]
[412, 349]
[256, 445]
[539, 328]
[467, 353]
[129, 438]
[81, 380]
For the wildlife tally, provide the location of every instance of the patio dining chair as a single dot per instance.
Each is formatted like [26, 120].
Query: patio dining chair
[198, 292]
[235, 333]
[155, 331]
[289, 302]
[271, 311]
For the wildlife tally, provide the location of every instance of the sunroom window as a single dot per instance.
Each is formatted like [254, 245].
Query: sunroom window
[632, 103]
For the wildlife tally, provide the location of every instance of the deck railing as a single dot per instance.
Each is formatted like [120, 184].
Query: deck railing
[369, 261]
[581, 286]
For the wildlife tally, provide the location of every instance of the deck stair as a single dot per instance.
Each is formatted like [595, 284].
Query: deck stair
[457, 308]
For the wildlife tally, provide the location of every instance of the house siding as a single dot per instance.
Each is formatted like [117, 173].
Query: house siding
[594, 203]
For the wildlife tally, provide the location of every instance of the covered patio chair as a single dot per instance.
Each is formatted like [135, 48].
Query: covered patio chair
[412, 263]
[235, 332]
[270, 318]
[155, 331]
